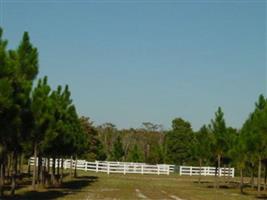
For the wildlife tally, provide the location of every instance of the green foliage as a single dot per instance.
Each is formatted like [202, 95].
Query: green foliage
[136, 155]
[178, 142]
[95, 150]
[201, 147]
[219, 133]
[118, 151]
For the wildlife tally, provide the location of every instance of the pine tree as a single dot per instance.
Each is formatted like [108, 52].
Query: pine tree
[118, 151]
[178, 142]
[219, 132]
[42, 113]
[201, 148]
[136, 155]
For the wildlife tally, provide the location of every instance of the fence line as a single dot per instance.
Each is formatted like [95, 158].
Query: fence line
[110, 166]
[206, 171]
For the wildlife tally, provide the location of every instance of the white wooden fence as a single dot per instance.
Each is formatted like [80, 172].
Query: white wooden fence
[206, 171]
[110, 166]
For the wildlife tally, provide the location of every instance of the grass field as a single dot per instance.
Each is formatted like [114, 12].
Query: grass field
[92, 185]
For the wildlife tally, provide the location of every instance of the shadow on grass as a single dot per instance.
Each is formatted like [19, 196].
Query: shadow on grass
[262, 197]
[68, 187]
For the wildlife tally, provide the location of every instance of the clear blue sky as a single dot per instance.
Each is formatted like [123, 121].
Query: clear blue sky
[127, 62]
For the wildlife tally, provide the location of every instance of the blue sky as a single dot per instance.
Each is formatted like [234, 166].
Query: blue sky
[128, 62]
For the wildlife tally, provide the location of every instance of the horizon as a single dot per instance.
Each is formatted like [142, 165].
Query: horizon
[128, 63]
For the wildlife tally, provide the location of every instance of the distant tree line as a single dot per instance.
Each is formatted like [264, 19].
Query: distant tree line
[214, 144]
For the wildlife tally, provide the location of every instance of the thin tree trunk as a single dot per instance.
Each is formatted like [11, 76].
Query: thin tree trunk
[241, 180]
[62, 172]
[218, 176]
[58, 166]
[252, 177]
[71, 168]
[34, 173]
[9, 164]
[265, 175]
[75, 169]
[224, 175]
[29, 167]
[259, 177]
[2, 177]
[14, 174]
[48, 165]
[53, 171]
[43, 171]
[200, 166]
[39, 169]
[48, 172]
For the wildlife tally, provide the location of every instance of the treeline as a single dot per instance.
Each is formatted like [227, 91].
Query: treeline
[34, 119]
[214, 144]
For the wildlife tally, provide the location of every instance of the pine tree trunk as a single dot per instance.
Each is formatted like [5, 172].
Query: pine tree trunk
[39, 170]
[2, 177]
[265, 175]
[71, 168]
[75, 169]
[252, 177]
[29, 167]
[200, 166]
[53, 171]
[62, 172]
[43, 172]
[34, 173]
[241, 180]
[48, 165]
[47, 180]
[259, 177]
[58, 166]
[14, 174]
[218, 176]
[9, 163]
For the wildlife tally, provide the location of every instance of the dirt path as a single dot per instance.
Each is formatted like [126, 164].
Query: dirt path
[140, 194]
[171, 196]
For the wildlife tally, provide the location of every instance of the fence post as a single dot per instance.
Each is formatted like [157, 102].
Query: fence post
[96, 165]
[180, 170]
[86, 166]
[220, 172]
[108, 167]
[142, 169]
[168, 168]
[124, 168]
[158, 169]
[190, 170]
[233, 172]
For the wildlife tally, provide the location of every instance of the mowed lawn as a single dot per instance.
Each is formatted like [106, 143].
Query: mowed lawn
[92, 185]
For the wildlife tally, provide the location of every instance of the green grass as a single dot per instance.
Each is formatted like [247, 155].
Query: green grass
[92, 185]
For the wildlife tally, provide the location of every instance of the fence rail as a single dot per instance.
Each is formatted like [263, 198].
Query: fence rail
[109, 166]
[206, 171]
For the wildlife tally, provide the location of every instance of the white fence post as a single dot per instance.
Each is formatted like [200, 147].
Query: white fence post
[86, 166]
[108, 167]
[190, 170]
[124, 168]
[142, 169]
[158, 169]
[168, 172]
[96, 166]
